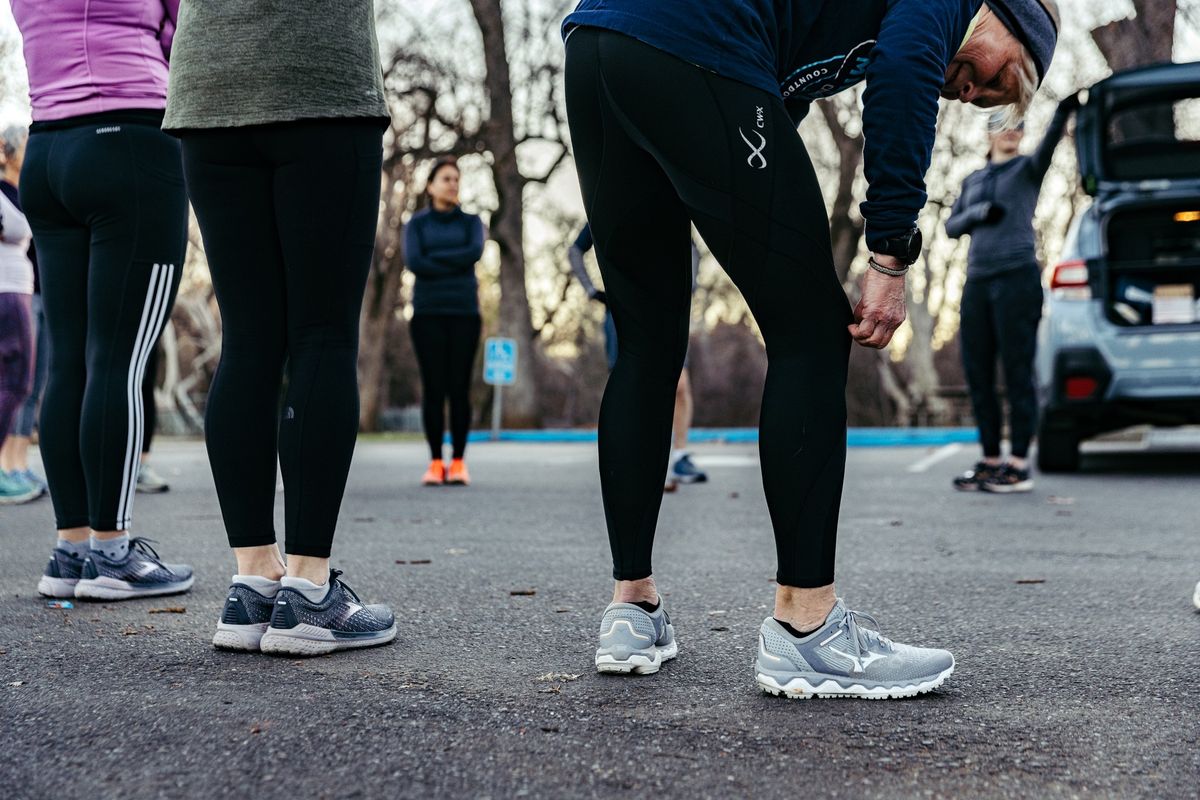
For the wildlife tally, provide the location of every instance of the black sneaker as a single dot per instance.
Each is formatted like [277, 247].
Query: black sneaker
[244, 620]
[972, 479]
[139, 574]
[1007, 480]
[301, 627]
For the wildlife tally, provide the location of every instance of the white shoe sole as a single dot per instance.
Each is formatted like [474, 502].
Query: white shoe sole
[239, 637]
[1196, 597]
[57, 587]
[105, 588]
[1013, 488]
[309, 640]
[801, 689]
[637, 664]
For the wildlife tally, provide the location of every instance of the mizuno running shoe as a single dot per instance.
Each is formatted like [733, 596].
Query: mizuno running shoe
[842, 659]
[633, 640]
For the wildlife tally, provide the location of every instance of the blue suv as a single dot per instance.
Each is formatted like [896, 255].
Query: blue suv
[1119, 342]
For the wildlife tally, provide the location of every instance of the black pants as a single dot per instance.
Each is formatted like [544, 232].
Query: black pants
[148, 402]
[106, 203]
[446, 346]
[653, 155]
[999, 317]
[288, 215]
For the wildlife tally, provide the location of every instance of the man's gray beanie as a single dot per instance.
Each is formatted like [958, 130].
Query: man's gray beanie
[1035, 24]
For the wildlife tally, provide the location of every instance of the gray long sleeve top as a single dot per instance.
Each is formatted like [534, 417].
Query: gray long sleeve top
[996, 207]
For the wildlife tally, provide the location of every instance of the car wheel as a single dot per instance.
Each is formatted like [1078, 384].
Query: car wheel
[1057, 449]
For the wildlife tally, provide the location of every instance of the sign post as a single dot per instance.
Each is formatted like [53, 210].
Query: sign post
[499, 370]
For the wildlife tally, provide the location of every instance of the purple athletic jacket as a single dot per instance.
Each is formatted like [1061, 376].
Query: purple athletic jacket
[89, 56]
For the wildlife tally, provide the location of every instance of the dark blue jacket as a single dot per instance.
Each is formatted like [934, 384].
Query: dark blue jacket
[804, 50]
[441, 248]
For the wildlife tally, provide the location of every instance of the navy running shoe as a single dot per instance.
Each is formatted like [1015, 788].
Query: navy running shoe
[61, 575]
[139, 574]
[685, 471]
[300, 627]
[244, 620]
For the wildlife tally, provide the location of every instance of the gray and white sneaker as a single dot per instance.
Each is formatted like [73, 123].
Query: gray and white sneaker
[841, 659]
[61, 576]
[633, 640]
[139, 574]
[340, 621]
[244, 619]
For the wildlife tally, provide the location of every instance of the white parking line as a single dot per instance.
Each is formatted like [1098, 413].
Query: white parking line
[941, 454]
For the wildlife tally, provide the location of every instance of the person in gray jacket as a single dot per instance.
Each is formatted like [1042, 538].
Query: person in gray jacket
[1002, 298]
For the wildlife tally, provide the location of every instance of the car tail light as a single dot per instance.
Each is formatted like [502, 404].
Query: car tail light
[1080, 388]
[1069, 280]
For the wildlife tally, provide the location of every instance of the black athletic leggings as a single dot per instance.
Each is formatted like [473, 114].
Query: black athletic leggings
[446, 345]
[1000, 316]
[692, 146]
[104, 196]
[148, 401]
[288, 215]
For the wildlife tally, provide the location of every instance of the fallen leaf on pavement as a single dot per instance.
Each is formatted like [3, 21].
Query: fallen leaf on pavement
[719, 629]
[169, 610]
[551, 690]
[421, 561]
[1031, 580]
[17, 683]
[557, 676]
[523, 592]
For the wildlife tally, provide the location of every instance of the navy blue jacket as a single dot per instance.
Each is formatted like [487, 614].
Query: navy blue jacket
[441, 248]
[804, 50]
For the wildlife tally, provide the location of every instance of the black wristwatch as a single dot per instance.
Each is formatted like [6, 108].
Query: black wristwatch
[906, 249]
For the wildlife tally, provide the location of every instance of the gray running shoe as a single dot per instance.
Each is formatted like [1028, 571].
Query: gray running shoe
[61, 575]
[150, 482]
[635, 641]
[139, 574]
[841, 659]
[301, 627]
[244, 620]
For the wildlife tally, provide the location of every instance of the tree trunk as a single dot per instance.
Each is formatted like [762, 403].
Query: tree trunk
[845, 231]
[1148, 38]
[381, 300]
[507, 223]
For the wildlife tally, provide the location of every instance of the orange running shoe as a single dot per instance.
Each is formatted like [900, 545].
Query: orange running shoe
[436, 474]
[458, 473]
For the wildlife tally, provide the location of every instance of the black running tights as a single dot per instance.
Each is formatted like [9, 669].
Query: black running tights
[691, 146]
[288, 215]
[446, 345]
[106, 203]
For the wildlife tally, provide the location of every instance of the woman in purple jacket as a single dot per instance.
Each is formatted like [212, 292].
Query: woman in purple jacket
[102, 187]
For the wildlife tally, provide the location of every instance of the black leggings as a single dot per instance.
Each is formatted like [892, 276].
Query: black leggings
[148, 402]
[288, 215]
[107, 206]
[1000, 317]
[652, 156]
[446, 346]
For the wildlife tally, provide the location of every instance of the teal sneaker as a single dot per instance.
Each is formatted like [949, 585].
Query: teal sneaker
[14, 489]
[37, 480]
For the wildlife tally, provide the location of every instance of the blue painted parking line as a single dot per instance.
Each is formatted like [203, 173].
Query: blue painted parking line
[855, 437]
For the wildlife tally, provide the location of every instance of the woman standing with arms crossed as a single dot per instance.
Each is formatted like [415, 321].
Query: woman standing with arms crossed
[442, 244]
[281, 112]
[103, 190]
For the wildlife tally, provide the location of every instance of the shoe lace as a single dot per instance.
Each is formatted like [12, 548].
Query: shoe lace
[144, 546]
[861, 637]
[335, 576]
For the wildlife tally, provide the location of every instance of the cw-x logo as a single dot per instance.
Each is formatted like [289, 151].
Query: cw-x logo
[756, 158]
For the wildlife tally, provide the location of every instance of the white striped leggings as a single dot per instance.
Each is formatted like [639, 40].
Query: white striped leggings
[105, 198]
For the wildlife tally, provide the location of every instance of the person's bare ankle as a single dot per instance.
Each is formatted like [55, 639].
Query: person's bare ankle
[310, 568]
[804, 609]
[263, 561]
[639, 591]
